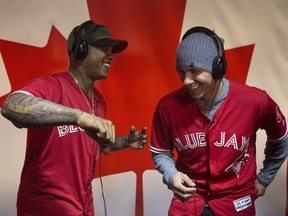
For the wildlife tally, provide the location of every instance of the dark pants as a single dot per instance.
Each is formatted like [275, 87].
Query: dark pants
[207, 211]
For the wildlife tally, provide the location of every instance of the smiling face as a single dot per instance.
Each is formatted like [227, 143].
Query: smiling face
[199, 83]
[97, 62]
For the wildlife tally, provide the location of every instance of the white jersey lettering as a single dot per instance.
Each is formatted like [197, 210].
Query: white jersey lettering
[192, 141]
[245, 142]
[221, 143]
[66, 129]
[232, 142]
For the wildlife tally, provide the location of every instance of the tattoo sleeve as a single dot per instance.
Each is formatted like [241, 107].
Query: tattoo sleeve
[31, 112]
[121, 142]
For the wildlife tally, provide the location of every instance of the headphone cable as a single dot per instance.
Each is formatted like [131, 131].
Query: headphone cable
[100, 163]
[208, 113]
[102, 186]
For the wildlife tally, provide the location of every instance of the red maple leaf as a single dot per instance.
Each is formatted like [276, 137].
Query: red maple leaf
[24, 62]
[238, 60]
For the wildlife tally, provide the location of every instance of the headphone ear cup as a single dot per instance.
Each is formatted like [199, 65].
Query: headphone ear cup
[219, 67]
[80, 49]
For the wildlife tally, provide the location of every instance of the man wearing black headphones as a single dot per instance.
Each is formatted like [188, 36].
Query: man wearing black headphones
[67, 130]
[212, 122]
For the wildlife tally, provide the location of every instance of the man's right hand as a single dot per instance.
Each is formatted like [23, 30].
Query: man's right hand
[182, 186]
[101, 130]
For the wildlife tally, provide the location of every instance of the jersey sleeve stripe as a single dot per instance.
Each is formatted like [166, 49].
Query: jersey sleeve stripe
[22, 92]
[157, 150]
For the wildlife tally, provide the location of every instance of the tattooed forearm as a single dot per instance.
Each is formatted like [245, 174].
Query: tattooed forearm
[121, 142]
[28, 111]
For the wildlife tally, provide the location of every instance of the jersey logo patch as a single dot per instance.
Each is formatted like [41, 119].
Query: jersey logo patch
[239, 163]
[242, 203]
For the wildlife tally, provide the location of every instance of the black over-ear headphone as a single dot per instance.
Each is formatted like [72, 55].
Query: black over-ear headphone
[80, 46]
[219, 65]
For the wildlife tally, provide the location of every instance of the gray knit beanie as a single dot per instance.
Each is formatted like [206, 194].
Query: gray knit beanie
[197, 50]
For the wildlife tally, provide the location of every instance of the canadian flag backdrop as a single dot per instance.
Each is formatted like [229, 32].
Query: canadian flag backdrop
[33, 43]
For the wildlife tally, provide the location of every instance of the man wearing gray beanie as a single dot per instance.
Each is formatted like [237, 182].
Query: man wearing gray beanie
[211, 122]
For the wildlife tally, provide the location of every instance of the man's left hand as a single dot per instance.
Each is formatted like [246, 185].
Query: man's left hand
[137, 139]
[261, 188]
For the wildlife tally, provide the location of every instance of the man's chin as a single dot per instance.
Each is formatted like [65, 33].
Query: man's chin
[194, 96]
[104, 75]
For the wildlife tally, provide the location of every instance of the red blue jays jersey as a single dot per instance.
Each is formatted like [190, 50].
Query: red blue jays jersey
[219, 156]
[59, 163]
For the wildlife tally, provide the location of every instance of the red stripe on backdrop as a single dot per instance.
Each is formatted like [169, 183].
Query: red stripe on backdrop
[140, 75]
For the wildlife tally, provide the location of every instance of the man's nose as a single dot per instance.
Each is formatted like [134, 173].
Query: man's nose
[188, 79]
